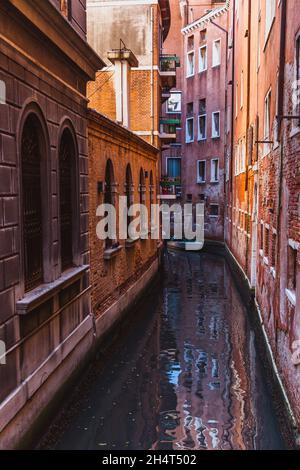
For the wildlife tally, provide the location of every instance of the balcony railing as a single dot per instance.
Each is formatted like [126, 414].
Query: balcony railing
[169, 63]
[168, 127]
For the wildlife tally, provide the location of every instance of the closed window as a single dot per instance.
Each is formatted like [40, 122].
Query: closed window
[214, 178]
[31, 154]
[215, 125]
[214, 210]
[190, 130]
[190, 64]
[67, 193]
[202, 58]
[267, 122]
[216, 58]
[202, 127]
[270, 15]
[174, 167]
[201, 171]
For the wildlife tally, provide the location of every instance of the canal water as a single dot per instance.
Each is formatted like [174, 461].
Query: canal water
[184, 373]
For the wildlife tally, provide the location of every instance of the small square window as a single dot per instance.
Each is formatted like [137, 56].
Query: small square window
[214, 210]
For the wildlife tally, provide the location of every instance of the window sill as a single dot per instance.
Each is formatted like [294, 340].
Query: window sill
[111, 252]
[201, 182]
[189, 141]
[202, 139]
[214, 181]
[215, 137]
[291, 295]
[44, 292]
[216, 66]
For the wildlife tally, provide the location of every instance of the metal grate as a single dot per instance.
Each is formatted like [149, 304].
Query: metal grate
[32, 207]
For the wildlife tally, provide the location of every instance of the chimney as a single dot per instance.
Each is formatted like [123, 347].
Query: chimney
[123, 60]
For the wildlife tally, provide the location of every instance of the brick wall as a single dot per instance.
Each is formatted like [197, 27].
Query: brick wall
[107, 140]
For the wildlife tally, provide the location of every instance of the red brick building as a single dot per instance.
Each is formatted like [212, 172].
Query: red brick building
[120, 164]
[262, 182]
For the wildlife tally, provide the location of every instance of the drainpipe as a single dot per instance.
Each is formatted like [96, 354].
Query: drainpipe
[232, 117]
[226, 78]
[280, 113]
[152, 76]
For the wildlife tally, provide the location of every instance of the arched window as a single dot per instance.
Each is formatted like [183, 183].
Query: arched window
[142, 187]
[151, 188]
[31, 152]
[128, 189]
[143, 213]
[108, 194]
[67, 198]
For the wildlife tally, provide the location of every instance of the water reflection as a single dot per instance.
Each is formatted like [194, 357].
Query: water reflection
[185, 374]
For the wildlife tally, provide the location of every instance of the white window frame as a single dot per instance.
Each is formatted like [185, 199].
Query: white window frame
[215, 136]
[200, 60]
[188, 64]
[205, 136]
[198, 179]
[267, 120]
[212, 180]
[270, 14]
[186, 130]
[214, 64]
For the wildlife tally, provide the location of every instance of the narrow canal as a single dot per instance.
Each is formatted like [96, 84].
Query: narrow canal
[184, 373]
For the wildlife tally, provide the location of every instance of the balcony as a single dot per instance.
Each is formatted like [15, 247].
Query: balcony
[167, 68]
[168, 129]
[171, 187]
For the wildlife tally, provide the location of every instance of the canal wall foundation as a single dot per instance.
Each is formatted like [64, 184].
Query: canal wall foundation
[24, 416]
[284, 408]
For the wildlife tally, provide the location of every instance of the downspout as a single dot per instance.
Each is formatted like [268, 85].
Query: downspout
[280, 113]
[226, 77]
[232, 116]
[152, 76]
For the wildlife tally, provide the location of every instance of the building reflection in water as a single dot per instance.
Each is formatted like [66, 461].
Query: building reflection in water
[185, 373]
